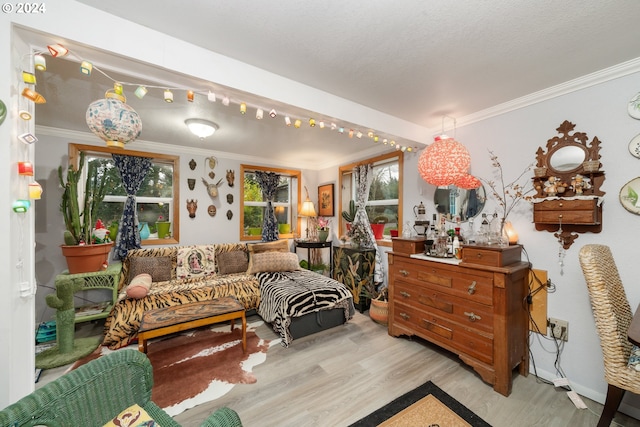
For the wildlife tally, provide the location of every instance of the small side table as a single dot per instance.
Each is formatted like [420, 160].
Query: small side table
[316, 245]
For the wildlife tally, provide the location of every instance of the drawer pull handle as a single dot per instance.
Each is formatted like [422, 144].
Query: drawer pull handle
[472, 288]
[405, 294]
[405, 316]
[472, 316]
[479, 255]
[405, 273]
[560, 216]
[560, 204]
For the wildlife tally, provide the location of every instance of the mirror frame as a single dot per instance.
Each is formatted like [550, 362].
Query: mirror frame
[482, 197]
[566, 139]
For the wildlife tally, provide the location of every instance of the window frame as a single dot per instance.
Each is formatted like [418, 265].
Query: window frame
[74, 159]
[347, 170]
[294, 205]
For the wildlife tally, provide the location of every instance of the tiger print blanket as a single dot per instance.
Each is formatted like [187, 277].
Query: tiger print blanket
[288, 294]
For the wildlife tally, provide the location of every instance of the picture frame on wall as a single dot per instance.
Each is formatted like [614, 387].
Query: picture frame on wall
[325, 200]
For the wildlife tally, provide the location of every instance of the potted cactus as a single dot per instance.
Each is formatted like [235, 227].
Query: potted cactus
[350, 215]
[85, 247]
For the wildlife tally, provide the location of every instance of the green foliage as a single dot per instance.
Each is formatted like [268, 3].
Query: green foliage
[350, 215]
[79, 223]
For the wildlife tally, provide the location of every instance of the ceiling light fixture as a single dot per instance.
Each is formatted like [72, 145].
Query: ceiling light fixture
[201, 128]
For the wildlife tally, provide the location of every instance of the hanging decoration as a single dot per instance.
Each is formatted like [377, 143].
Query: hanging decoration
[446, 162]
[87, 68]
[113, 121]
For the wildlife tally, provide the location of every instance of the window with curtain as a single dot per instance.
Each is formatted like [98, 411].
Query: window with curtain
[157, 198]
[385, 194]
[254, 205]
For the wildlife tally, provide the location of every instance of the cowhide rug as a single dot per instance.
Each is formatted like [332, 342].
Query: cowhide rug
[199, 365]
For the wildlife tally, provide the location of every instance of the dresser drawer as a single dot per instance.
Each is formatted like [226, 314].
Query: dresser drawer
[445, 333]
[476, 286]
[460, 310]
[491, 255]
[566, 212]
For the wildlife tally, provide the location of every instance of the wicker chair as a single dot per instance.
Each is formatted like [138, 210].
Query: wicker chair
[94, 393]
[612, 315]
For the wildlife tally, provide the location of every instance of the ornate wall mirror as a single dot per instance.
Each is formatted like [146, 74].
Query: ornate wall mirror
[567, 181]
[457, 202]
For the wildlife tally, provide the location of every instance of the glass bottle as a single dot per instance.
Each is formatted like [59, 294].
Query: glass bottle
[485, 229]
[470, 234]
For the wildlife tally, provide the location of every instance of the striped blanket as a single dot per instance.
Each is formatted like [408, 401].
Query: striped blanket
[288, 294]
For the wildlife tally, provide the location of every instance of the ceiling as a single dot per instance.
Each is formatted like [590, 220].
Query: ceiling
[419, 61]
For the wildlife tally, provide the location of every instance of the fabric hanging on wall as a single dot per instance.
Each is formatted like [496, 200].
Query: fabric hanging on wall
[363, 177]
[133, 170]
[268, 182]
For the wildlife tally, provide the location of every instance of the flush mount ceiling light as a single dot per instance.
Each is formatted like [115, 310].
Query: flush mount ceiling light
[201, 128]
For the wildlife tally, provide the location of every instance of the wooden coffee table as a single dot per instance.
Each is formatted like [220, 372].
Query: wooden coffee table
[164, 321]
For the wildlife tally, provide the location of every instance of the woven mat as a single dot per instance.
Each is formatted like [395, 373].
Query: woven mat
[427, 411]
[425, 405]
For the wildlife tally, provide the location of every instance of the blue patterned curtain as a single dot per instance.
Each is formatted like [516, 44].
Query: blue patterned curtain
[133, 170]
[268, 182]
[363, 177]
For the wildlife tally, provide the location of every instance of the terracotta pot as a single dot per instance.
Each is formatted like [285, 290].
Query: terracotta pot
[86, 258]
[379, 311]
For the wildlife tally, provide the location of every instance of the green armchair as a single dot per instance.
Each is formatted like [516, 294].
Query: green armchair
[94, 393]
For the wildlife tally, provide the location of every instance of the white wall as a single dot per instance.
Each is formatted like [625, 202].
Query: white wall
[601, 111]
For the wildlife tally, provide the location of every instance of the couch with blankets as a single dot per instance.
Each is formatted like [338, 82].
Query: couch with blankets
[264, 277]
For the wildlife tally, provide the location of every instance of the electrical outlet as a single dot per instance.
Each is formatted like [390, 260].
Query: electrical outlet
[559, 329]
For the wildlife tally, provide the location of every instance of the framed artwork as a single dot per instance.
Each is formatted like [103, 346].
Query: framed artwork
[325, 200]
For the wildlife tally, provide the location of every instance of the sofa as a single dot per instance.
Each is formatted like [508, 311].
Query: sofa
[103, 390]
[298, 303]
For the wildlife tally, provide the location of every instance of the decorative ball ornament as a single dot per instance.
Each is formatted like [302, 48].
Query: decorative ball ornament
[113, 121]
[444, 162]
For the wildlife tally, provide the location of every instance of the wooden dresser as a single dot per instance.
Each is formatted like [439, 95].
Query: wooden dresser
[475, 310]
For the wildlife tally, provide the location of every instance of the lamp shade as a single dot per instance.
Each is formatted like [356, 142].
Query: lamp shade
[113, 121]
[468, 182]
[307, 208]
[444, 162]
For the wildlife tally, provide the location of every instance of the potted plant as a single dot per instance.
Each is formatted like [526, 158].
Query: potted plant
[86, 247]
[323, 228]
[379, 296]
[350, 215]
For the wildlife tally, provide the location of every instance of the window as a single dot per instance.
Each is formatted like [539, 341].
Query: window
[155, 201]
[385, 195]
[254, 206]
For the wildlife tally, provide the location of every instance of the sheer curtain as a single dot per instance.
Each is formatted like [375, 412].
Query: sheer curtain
[363, 177]
[133, 170]
[268, 182]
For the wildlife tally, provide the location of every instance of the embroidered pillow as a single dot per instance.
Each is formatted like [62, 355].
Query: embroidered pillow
[273, 261]
[196, 261]
[158, 267]
[233, 262]
[139, 286]
[133, 416]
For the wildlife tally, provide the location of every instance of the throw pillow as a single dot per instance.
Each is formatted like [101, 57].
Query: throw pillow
[196, 261]
[278, 245]
[273, 261]
[233, 262]
[158, 267]
[634, 358]
[133, 416]
[139, 286]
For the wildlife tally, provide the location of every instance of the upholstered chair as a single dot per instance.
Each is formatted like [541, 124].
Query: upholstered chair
[612, 315]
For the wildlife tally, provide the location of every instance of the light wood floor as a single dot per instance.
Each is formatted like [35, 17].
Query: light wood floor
[338, 376]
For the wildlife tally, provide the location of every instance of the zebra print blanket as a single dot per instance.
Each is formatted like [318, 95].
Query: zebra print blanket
[288, 294]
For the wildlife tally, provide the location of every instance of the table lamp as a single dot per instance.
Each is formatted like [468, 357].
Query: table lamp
[307, 210]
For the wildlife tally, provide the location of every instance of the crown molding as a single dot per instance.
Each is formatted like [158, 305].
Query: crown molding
[617, 71]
